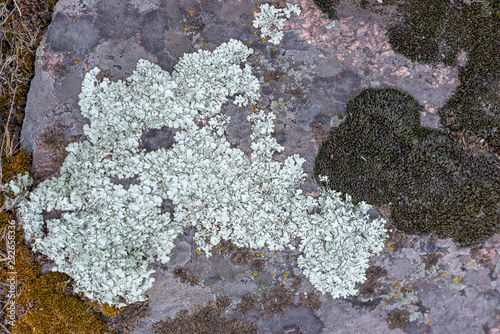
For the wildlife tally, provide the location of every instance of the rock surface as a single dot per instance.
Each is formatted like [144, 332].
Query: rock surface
[306, 81]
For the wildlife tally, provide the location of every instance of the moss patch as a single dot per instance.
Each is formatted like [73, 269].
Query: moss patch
[398, 318]
[208, 319]
[52, 310]
[277, 301]
[380, 154]
[248, 302]
[373, 274]
[310, 300]
[474, 109]
[186, 276]
[105, 309]
[435, 31]
[13, 165]
[44, 302]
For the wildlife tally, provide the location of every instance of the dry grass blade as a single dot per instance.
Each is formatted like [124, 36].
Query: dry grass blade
[10, 147]
[4, 256]
[5, 329]
[17, 7]
[19, 42]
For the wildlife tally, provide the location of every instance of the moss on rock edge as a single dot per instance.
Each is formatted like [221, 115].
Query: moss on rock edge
[435, 31]
[381, 154]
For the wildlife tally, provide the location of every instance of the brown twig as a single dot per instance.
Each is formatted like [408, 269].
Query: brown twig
[5, 329]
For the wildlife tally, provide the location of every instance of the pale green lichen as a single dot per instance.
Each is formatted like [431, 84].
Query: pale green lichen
[271, 20]
[471, 264]
[108, 235]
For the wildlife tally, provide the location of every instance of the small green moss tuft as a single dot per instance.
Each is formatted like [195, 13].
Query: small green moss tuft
[380, 154]
[435, 31]
[328, 7]
[54, 311]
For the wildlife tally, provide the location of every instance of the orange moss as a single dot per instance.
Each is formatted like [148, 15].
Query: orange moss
[110, 311]
[43, 304]
[5, 217]
[106, 309]
[26, 265]
[18, 163]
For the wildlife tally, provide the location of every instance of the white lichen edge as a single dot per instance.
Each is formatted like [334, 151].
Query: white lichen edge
[107, 236]
[271, 21]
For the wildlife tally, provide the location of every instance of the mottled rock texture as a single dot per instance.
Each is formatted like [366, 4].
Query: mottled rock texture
[455, 292]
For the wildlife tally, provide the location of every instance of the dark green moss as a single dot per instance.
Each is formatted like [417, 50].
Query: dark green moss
[475, 106]
[380, 154]
[416, 37]
[328, 7]
[434, 31]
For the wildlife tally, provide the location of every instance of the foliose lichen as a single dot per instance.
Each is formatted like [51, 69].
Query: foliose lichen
[271, 20]
[107, 235]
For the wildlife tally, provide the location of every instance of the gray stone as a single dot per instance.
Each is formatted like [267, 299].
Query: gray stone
[114, 35]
